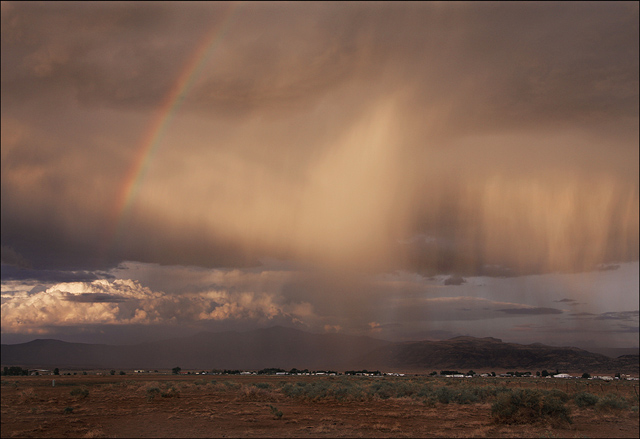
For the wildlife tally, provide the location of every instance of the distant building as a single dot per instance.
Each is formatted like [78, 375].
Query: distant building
[605, 378]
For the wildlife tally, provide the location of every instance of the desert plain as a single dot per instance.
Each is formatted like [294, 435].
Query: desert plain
[167, 405]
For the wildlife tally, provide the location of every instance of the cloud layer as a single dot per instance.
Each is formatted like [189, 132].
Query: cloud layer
[126, 302]
[326, 133]
[402, 170]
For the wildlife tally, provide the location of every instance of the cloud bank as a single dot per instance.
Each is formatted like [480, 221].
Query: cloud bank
[324, 133]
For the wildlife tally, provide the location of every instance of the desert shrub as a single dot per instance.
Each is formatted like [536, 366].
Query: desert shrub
[231, 385]
[585, 399]
[82, 393]
[484, 393]
[67, 410]
[430, 401]
[562, 396]
[425, 391]
[348, 390]
[317, 389]
[252, 392]
[277, 414]
[554, 408]
[382, 390]
[152, 392]
[339, 389]
[466, 396]
[294, 391]
[170, 393]
[612, 402]
[262, 385]
[444, 395]
[525, 406]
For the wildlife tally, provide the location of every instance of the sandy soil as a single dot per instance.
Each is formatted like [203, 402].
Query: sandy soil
[120, 406]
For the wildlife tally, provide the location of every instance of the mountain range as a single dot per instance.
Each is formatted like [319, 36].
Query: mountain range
[287, 348]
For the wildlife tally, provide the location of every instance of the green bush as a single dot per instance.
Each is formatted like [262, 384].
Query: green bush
[152, 392]
[585, 399]
[15, 371]
[277, 414]
[466, 396]
[559, 394]
[171, 393]
[83, 393]
[444, 395]
[612, 402]
[231, 385]
[525, 406]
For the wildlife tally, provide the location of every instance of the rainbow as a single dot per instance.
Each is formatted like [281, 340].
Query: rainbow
[163, 116]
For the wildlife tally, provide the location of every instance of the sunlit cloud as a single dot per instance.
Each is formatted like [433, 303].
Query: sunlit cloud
[126, 302]
[449, 168]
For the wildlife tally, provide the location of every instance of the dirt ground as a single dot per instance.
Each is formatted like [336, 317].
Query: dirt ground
[232, 406]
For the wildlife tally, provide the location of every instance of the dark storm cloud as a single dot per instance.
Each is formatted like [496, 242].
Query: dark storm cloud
[583, 314]
[455, 280]
[627, 329]
[531, 311]
[620, 315]
[11, 257]
[609, 267]
[94, 298]
[490, 116]
[14, 273]
[117, 54]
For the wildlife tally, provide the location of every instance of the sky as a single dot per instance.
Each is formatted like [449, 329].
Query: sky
[405, 171]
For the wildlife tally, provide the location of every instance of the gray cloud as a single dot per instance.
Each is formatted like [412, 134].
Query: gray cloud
[619, 315]
[531, 311]
[608, 267]
[95, 298]
[377, 150]
[10, 272]
[582, 314]
[455, 280]
[11, 257]
[627, 329]
[279, 88]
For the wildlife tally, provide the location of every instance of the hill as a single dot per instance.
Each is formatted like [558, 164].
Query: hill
[273, 347]
[465, 353]
[288, 348]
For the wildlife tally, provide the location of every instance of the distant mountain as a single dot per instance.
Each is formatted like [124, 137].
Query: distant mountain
[466, 353]
[615, 352]
[273, 347]
[288, 348]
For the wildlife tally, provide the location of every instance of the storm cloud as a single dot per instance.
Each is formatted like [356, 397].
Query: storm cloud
[326, 160]
[507, 133]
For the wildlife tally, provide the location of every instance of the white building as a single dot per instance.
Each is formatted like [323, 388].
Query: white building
[562, 375]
